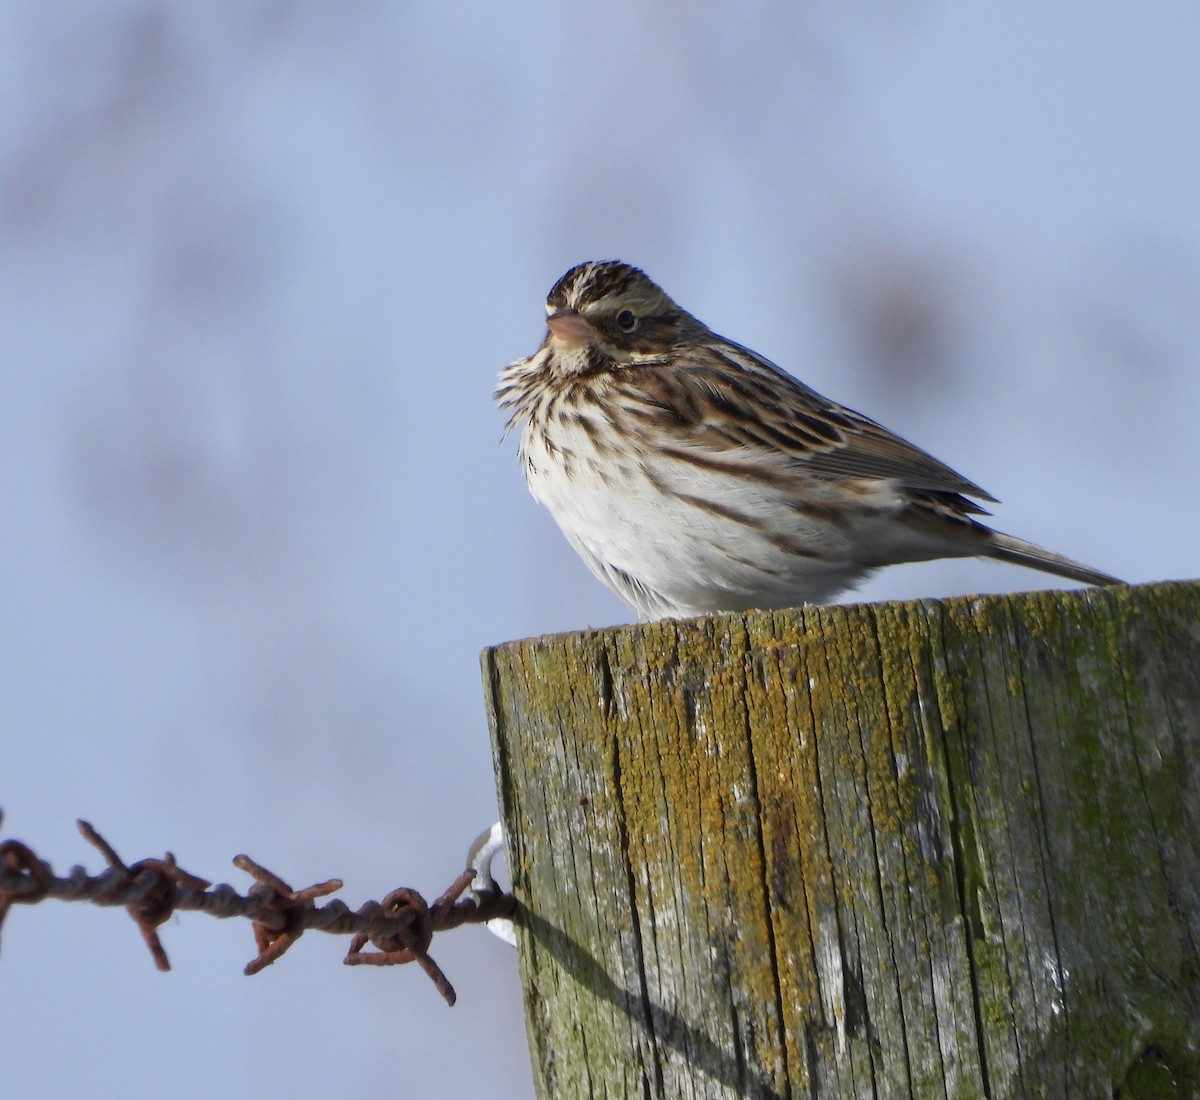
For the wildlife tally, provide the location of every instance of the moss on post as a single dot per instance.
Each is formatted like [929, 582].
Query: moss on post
[943, 848]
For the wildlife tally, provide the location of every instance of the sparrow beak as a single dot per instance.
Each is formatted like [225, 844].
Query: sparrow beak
[569, 327]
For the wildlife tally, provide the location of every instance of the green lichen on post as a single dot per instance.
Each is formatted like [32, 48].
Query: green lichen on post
[941, 848]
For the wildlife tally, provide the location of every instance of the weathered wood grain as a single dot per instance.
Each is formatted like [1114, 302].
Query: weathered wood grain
[932, 849]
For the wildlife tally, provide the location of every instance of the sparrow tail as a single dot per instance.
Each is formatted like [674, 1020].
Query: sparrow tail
[1019, 552]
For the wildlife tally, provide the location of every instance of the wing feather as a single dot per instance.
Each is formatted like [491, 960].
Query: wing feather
[726, 398]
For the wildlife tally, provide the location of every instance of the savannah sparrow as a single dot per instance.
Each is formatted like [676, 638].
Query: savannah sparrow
[693, 475]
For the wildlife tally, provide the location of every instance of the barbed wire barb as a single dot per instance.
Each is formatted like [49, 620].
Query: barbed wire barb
[400, 928]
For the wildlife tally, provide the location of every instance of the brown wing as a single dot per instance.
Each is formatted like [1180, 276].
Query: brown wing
[725, 397]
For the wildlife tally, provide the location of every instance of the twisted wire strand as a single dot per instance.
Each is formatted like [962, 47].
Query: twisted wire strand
[397, 929]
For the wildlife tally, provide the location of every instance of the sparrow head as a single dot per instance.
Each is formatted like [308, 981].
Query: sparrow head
[605, 313]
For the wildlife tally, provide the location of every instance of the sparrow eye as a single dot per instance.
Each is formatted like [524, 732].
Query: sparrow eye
[626, 321]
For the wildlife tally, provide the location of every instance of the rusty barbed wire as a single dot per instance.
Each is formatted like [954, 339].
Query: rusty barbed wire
[399, 929]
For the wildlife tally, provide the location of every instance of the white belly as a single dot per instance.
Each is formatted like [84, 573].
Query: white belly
[672, 538]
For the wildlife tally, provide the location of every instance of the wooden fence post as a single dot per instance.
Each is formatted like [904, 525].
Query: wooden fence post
[932, 849]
